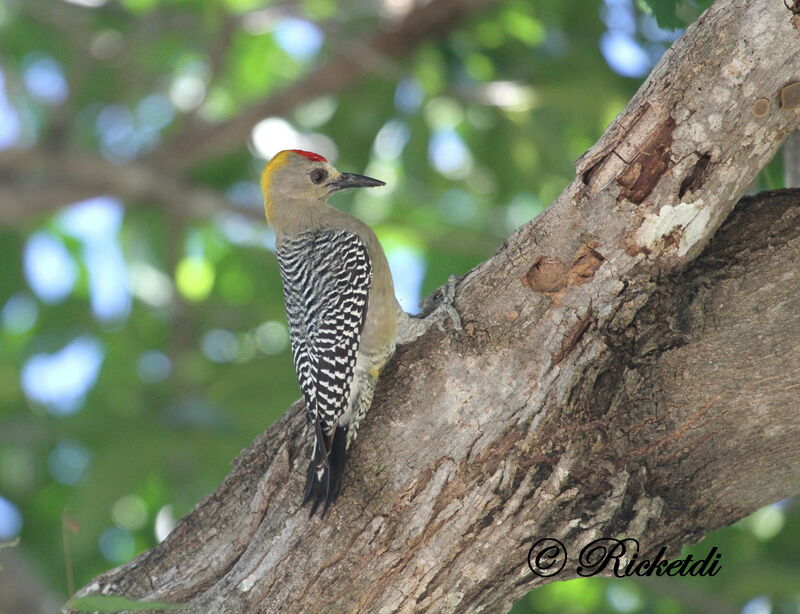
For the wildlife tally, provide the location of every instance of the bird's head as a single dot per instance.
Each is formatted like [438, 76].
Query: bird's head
[294, 178]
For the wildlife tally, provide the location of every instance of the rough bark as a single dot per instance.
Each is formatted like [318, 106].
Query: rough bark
[611, 381]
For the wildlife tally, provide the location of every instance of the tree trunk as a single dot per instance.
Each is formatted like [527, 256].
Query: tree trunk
[611, 380]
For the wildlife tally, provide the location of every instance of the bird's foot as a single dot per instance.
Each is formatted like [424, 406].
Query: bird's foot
[438, 306]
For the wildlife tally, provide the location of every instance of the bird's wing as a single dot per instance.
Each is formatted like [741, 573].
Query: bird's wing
[327, 276]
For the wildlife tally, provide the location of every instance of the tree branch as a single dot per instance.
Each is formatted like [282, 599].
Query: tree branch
[425, 21]
[46, 181]
[609, 381]
[157, 177]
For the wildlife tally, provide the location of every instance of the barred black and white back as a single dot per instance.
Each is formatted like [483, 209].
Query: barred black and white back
[327, 276]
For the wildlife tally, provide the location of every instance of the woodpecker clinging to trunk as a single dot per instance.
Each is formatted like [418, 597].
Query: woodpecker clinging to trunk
[340, 304]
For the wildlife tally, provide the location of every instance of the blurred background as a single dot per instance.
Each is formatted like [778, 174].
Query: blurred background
[142, 335]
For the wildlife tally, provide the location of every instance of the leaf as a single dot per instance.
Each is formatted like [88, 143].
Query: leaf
[140, 7]
[665, 12]
[114, 603]
[673, 14]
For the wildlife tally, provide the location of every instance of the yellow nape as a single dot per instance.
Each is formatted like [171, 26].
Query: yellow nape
[277, 161]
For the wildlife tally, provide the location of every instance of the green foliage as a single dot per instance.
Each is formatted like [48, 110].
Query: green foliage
[200, 364]
[674, 14]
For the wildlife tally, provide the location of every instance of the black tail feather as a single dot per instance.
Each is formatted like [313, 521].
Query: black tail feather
[317, 475]
[325, 471]
[336, 459]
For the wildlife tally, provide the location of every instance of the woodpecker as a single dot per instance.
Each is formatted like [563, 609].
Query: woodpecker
[340, 304]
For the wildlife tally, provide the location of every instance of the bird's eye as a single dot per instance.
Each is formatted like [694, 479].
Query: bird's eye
[318, 175]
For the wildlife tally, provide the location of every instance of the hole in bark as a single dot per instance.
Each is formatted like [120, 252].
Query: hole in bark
[790, 95]
[696, 176]
[760, 108]
[546, 275]
[649, 164]
[586, 176]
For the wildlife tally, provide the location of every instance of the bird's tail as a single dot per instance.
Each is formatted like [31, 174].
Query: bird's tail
[325, 471]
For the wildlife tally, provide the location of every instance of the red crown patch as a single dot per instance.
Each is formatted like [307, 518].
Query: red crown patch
[310, 155]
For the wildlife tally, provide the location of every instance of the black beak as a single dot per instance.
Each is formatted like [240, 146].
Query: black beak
[351, 180]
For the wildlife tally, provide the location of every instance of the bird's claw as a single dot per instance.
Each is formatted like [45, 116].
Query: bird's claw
[440, 305]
